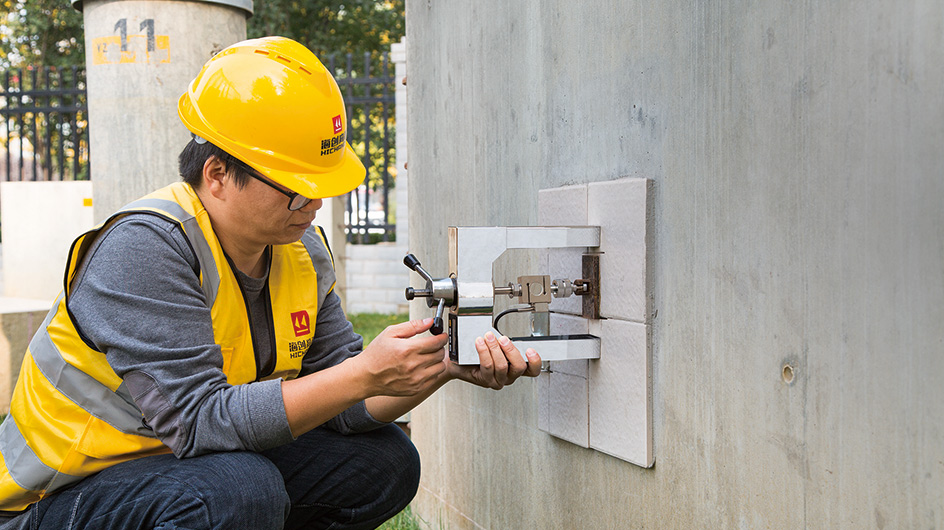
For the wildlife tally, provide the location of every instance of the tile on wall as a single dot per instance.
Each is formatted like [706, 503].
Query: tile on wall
[570, 325]
[604, 404]
[568, 410]
[620, 390]
[619, 207]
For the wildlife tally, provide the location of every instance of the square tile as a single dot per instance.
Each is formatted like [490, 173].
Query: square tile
[619, 207]
[569, 325]
[568, 410]
[620, 390]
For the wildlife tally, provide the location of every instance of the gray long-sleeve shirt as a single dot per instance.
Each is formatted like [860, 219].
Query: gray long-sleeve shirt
[137, 298]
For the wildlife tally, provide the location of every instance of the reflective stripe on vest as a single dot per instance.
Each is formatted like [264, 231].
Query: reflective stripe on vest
[322, 261]
[26, 469]
[114, 408]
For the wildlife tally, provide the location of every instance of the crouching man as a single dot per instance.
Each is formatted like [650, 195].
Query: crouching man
[197, 370]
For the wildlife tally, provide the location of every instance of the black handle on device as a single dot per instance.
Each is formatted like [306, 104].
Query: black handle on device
[414, 264]
[410, 261]
[438, 324]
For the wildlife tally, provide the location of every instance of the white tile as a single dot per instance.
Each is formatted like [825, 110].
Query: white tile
[569, 325]
[620, 390]
[565, 206]
[568, 410]
[619, 208]
[577, 367]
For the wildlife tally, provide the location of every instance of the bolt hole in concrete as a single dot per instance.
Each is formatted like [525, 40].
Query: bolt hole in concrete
[787, 374]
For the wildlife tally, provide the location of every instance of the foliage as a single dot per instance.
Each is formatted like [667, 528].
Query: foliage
[49, 32]
[329, 26]
[40, 32]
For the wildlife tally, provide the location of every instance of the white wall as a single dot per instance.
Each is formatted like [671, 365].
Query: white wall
[376, 279]
[39, 222]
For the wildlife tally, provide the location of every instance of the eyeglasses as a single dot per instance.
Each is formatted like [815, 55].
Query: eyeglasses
[295, 201]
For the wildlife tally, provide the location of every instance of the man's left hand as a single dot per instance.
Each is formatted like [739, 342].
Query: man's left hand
[500, 363]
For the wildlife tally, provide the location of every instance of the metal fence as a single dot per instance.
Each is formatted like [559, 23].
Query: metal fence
[45, 124]
[45, 133]
[369, 99]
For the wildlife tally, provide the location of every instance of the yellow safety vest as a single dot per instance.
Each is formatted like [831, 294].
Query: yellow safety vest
[71, 416]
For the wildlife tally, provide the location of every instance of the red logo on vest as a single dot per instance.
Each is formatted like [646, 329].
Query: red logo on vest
[337, 124]
[301, 323]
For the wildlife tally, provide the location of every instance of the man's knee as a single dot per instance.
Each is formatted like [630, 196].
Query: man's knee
[244, 490]
[358, 479]
[407, 458]
[398, 468]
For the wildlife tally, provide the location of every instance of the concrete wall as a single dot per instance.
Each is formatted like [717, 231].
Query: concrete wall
[19, 319]
[797, 158]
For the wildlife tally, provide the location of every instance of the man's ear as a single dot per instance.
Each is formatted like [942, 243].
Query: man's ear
[214, 176]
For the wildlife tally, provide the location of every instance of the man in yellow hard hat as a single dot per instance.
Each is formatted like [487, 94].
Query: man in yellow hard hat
[197, 371]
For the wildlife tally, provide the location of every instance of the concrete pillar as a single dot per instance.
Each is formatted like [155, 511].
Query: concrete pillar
[141, 55]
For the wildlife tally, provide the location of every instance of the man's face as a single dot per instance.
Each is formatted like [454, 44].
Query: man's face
[262, 216]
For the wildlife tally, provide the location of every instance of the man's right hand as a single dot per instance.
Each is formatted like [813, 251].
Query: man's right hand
[401, 361]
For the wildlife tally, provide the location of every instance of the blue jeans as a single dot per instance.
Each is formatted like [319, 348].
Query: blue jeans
[321, 480]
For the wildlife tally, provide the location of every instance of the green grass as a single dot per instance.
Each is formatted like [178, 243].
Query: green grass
[369, 325]
[404, 520]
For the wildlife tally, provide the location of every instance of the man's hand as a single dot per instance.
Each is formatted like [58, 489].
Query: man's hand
[416, 366]
[500, 363]
[401, 362]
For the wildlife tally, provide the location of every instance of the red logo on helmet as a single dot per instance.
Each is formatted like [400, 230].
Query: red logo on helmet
[337, 124]
[301, 323]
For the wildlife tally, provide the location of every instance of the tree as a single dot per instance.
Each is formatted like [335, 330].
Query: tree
[40, 32]
[332, 26]
[49, 32]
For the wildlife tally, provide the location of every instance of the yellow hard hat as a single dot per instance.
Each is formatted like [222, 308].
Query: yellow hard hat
[272, 104]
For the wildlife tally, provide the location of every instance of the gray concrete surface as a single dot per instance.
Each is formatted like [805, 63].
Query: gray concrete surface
[797, 154]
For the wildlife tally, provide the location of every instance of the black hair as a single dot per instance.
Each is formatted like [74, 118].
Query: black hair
[194, 156]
